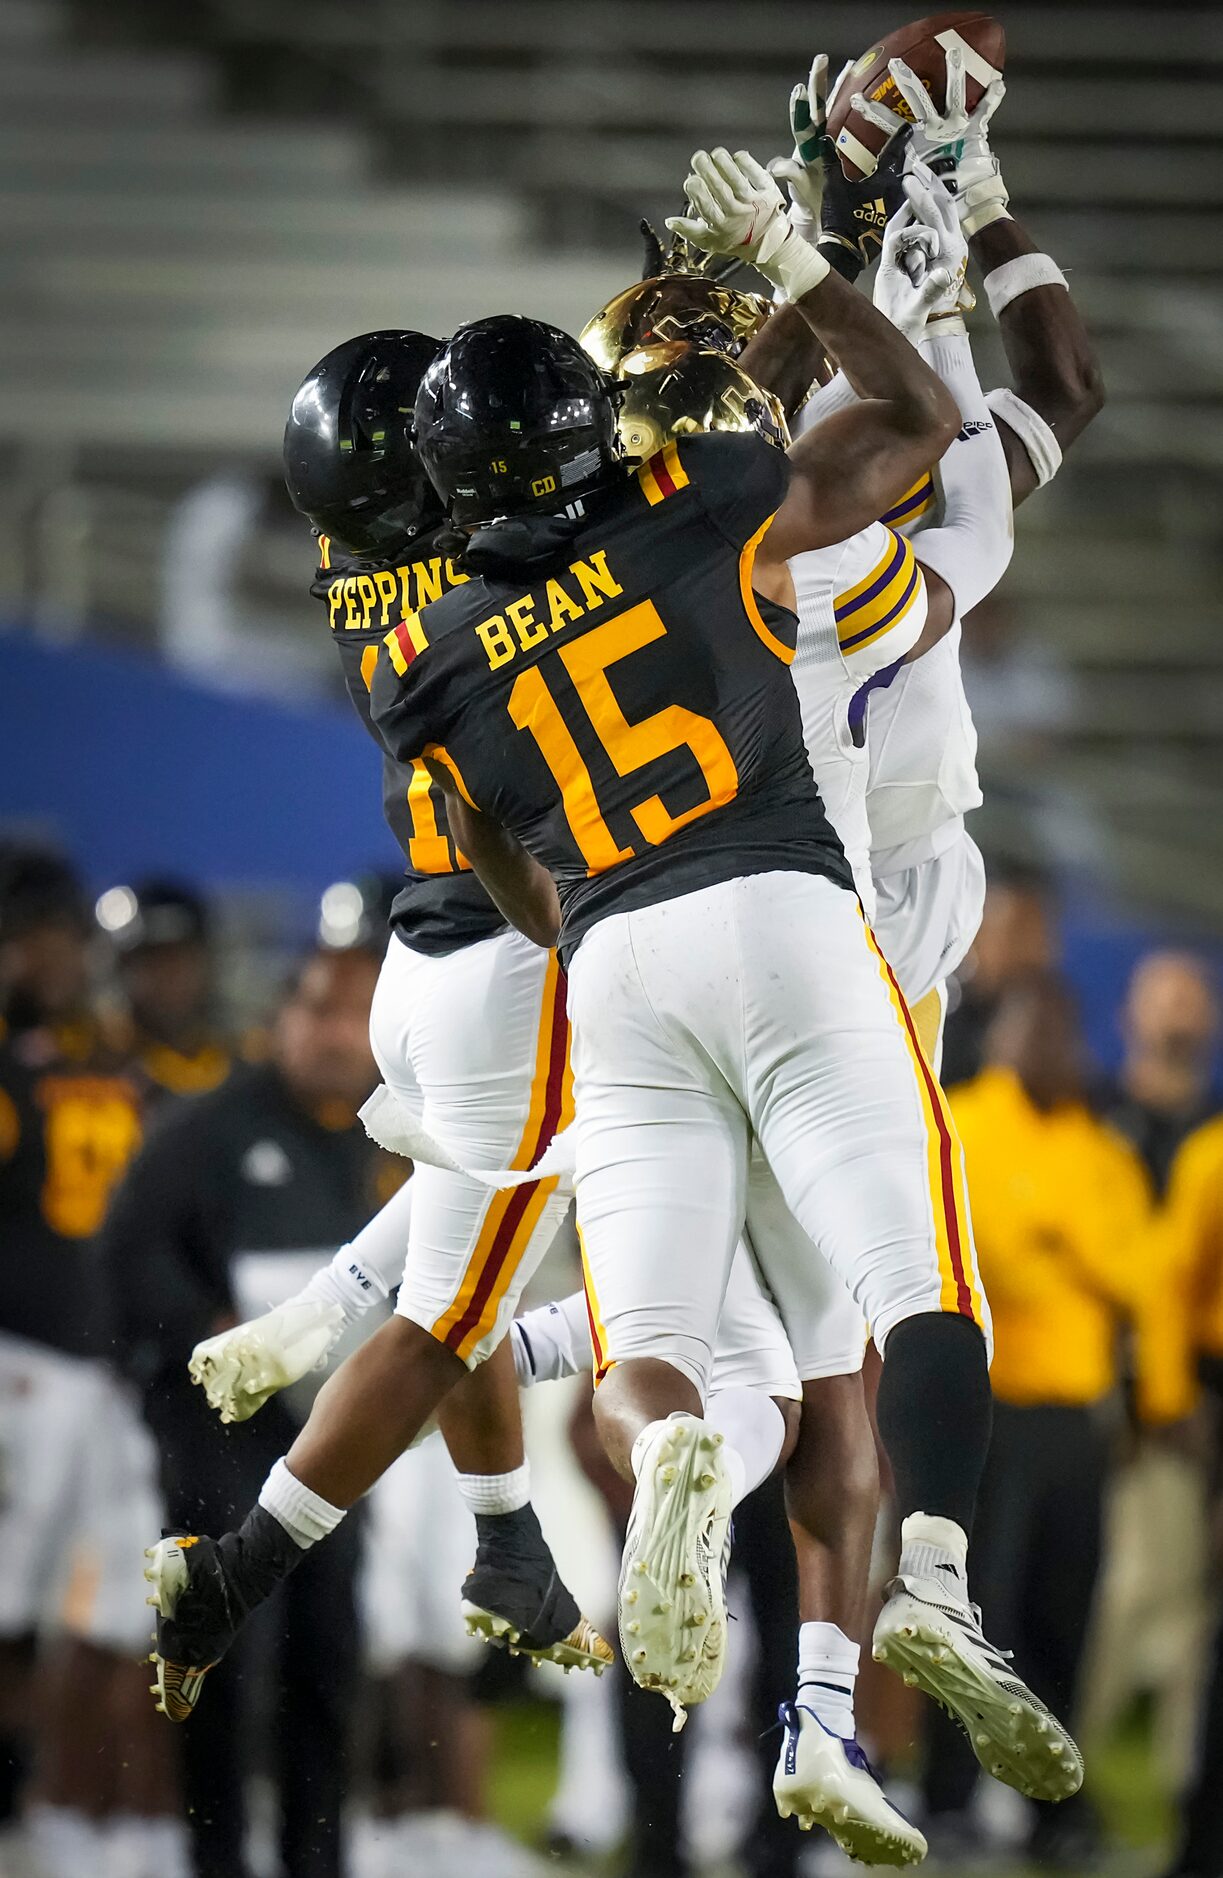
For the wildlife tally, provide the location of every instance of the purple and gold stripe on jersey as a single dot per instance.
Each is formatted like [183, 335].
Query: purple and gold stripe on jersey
[913, 503]
[870, 609]
[662, 474]
[404, 641]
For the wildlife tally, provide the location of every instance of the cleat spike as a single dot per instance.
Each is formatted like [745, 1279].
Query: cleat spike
[687, 1580]
[630, 1597]
[634, 1629]
[910, 1680]
[639, 1656]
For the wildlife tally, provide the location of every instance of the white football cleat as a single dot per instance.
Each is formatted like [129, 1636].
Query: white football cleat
[672, 1589]
[824, 1780]
[241, 1368]
[935, 1643]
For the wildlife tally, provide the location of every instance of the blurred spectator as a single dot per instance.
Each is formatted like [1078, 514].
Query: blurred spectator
[1059, 1206]
[1170, 1024]
[69, 1121]
[1193, 1224]
[215, 625]
[162, 935]
[1016, 937]
[203, 1232]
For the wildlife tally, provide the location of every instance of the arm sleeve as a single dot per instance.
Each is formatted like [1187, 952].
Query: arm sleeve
[836, 395]
[879, 600]
[368, 1268]
[165, 1250]
[972, 543]
[552, 1342]
[740, 479]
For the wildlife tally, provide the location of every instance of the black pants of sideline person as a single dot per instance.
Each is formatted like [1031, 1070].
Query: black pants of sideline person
[1200, 1853]
[654, 1757]
[290, 1681]
[1033, 1565]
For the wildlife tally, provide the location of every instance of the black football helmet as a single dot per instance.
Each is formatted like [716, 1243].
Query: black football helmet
[350, 465]
[514, 419]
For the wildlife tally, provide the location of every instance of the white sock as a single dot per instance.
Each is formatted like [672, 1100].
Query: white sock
[552, 1342]
[305, 1516]
[497, 1493]
[827, 1672]
[755, 1429]
[932, 1547]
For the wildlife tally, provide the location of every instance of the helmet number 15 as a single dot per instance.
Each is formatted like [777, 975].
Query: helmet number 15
[629, 747]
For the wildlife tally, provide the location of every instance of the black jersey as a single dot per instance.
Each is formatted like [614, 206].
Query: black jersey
[441, 905]
[615, 693]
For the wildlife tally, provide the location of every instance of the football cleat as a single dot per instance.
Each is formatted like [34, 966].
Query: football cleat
[515, 1598]
[824, 1780]
[935, 1644]
[672, 1580]
[195, 1624]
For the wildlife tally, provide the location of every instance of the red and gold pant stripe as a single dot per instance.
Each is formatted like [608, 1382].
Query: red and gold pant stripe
[961, 1287]
[513, 1215]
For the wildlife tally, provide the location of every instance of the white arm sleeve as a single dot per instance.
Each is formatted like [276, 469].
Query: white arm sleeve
[552, 1342]
[836, 395]
[367, 1270]
[972, 543]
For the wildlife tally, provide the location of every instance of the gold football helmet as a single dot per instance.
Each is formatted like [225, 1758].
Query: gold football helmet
[678, 390]
[674, 306]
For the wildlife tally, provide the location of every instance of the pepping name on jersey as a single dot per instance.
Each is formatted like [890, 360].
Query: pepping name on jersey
[360, 600]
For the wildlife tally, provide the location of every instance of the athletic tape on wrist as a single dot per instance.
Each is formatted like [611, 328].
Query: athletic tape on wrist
[1013, 278]
[1043, 448]
[794, 266]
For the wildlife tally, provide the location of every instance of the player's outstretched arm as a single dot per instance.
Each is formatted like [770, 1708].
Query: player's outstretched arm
[845, 220]
[848, 470]
[523, 890]
[1055, 370]
[1057, 388]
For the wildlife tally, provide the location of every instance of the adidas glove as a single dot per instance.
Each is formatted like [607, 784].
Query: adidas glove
[850, 216]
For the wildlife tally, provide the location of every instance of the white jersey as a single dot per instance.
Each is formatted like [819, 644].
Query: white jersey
[861, 607]
[922, 769]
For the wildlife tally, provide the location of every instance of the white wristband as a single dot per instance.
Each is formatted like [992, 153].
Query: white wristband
[1026, 271]
[1043, 448]
[793, 265]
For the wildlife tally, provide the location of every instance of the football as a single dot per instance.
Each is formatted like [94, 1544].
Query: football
[923, 46]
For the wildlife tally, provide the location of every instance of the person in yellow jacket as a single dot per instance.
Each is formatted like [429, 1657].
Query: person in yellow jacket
[1061, 1209]
[1192, 1229]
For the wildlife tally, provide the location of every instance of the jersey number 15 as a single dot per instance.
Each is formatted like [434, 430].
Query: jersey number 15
[629, 747]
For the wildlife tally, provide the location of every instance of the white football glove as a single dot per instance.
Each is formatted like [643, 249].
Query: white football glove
[239, 1369]
[804, 171]
[738, 210]
[920, 281]
[954, 144]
